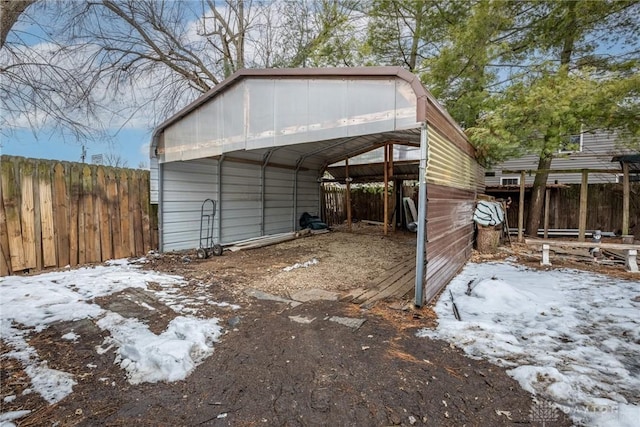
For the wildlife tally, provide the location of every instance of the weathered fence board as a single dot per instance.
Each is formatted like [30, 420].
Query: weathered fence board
[77, 220]
[49, 257]
[102, 212]
[125, 223]
[11, 201]
[5, 260]
[367, 203]
[604, 207]
[27, 215]
[144, 208]
[54, 214]
[136, 210]
[114, 213]
[61, 214]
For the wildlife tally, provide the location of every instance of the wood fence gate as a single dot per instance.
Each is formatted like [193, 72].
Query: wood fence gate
[54, 214]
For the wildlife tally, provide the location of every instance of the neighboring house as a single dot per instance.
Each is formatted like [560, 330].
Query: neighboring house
[583, 151]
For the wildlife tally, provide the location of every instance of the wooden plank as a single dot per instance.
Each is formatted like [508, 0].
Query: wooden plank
[547, 200]
[625, 199]
[61, 214]
[555, 171]
[11, 202]
[76, 220]
[584, 189]
[114, 212]
[49, 255]
[575, 244]
[134, 198]
[37, 224]
[88, 231]
[385, 195]
[125, 223]
[153, 226]
[399, 288]
[144, 207]
[348, 193]
[102, 212]
[388, 280]
[5, 256]
[27, 214]
[358, 293]
[521, 209]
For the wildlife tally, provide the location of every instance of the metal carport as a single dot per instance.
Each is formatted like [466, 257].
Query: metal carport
[259, 142]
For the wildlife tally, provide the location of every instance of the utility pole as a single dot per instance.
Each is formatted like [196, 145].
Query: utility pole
[83, 154]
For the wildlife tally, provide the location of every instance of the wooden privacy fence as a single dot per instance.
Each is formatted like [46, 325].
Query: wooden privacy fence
[54, 214]
[604, 207]
[366, 204]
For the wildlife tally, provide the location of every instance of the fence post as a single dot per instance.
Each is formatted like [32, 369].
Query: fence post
[584, 188]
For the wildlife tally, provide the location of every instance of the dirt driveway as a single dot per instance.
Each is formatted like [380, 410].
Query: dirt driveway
[315, 363]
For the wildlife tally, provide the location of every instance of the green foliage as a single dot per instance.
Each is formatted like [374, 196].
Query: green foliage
[538, 114]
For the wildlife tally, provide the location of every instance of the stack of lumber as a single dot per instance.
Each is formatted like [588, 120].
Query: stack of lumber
[271, 239]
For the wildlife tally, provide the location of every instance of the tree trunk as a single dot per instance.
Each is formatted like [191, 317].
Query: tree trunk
[540, 183]
[10, 11]
[536, 202]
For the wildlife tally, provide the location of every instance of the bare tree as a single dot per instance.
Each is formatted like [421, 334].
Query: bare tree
[43, 82]
[112, 62]
[114, 160]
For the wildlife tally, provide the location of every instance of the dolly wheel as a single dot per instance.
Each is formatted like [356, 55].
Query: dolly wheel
[217, 250]
[202, 253]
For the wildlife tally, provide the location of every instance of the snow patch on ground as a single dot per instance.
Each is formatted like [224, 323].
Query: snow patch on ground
[297, 265]
[32, 303]
[569, 336]
[170, 356]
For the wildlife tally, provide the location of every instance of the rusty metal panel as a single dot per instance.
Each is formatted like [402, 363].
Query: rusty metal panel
[449, 234]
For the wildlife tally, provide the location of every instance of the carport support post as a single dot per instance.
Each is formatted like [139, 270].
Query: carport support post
[348, 193]
[625, 198]
[219, 191]
[523, 176]
[386, 189]
[422, 218]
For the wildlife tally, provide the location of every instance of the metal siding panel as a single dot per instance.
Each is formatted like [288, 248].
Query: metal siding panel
[258, 113]
[406, 102]
[449, 165]
[290, 103]
[371, 106]
[278, 200]
[185, 186]
[449, 234]
[260, 124]
[240, 201]
[308, 194]
[153, 181]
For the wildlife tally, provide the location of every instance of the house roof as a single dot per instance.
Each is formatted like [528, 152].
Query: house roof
[633, 160]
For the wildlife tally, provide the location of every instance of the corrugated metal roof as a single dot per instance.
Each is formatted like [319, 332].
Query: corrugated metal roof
[633, 160]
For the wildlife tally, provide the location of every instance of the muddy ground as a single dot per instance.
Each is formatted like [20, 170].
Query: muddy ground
[270, 370]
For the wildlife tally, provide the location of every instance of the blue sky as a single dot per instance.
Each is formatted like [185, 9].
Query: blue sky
[130, 144]
[127, 138]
